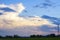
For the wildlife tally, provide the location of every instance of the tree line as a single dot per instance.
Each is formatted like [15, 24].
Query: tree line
[50, 35]
[31, 36]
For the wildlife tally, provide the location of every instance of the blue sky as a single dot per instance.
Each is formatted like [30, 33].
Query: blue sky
[53, 10]
[11, 23]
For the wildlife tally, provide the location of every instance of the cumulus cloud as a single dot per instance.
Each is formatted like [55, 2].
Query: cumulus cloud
[17, 7]
[10, 20]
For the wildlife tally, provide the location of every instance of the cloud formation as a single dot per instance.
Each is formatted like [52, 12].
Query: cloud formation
[10, 21]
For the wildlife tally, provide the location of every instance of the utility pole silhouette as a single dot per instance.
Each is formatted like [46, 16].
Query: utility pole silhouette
[58, 29]
[57, 22]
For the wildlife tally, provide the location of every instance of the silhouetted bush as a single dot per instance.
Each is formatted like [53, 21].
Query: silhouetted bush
[51, 35]
[36, 36]
[39, 36]
[16, 36]
[8, 36]
[33, 36]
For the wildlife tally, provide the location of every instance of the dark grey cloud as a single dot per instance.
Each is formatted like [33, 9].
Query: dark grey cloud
[45, 4]
[1, 13]
[53, 19]
[6, 9]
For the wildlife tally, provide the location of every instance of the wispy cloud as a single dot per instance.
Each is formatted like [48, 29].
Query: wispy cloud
[46, 4]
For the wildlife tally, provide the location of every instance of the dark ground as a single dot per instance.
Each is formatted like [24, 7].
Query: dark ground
[42, 38]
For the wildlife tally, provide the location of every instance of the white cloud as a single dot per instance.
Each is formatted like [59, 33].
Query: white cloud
[17, 7]
[11, 20]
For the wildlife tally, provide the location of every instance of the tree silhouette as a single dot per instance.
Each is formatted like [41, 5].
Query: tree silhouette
[1, 37]
[16, 36]
[33, 36]
[8, 36]
[51, 35]
[36, 36]
[39, 36]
